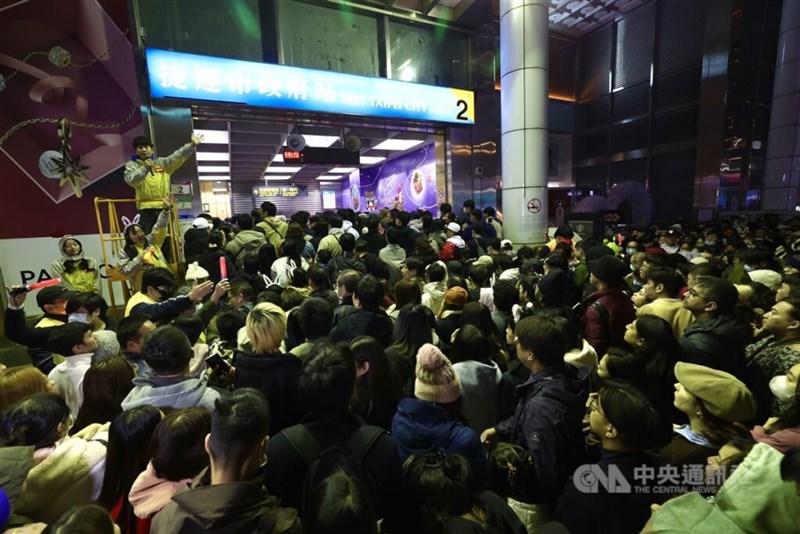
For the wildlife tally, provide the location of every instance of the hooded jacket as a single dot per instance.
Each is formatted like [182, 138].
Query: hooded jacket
[753, 499]
[392, 254]
[175, 393]
[152, 185]
[241, 507]
[547, 422]
[245, 242]
[480, 392]
[433, 296]
[421, 426]
[331, 242]
[84, 276]
[274, 230]
[718, 343]
[451, 249]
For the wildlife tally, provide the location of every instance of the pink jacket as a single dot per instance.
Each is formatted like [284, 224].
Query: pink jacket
[149, 494]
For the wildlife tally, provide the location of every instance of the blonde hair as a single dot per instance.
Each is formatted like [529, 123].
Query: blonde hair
[266, 328]
[16, 383]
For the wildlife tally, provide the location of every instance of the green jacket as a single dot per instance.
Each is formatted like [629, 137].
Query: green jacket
[754, 499]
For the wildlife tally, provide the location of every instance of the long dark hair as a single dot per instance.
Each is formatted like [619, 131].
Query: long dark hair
[70, 266]
[411, 330]
[105, 385]
[129, 248]
[479, 316]
[127, 456]
[438, 488]
[377, 392]
[33, 421]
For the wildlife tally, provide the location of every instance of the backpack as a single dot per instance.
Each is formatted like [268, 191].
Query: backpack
[350, 457]
[252, 246]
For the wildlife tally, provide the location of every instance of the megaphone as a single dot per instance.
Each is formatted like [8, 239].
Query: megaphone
[352, 143]
[296, 142]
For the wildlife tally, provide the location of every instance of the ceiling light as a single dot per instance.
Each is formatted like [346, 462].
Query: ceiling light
[213, 168]
[369, 160]
[211, 177]
[319, 141]
[277, 177]
[337, 170]
[214, 136]
[213, 156]
[330, 177]
[220, 190]
[398, 144]
[278, 158]
[282, 169]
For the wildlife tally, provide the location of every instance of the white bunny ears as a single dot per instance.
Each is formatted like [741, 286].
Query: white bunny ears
[127, 223]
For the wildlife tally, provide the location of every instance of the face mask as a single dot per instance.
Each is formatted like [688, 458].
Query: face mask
[630, 251]
[165, 294]
[748, 268]
[78, 318]
[780, 388]
[711, 243]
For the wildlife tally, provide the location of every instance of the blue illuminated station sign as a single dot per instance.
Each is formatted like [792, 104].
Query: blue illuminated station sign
[190, 76]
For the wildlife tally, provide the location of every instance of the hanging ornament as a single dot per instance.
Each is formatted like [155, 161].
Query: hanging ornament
[70, 169]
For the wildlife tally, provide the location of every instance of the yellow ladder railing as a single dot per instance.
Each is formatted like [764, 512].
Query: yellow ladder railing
[113, 241]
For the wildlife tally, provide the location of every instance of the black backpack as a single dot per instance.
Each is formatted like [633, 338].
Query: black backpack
[351, 457]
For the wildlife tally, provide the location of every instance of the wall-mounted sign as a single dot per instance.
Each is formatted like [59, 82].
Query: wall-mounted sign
[181, 188]
[190, 76]
[262, 191]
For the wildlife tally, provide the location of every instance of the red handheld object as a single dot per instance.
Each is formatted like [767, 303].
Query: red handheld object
[223, 268]
[44, 283]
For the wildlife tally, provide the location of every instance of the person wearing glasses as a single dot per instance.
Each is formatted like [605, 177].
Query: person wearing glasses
[156, 300]
[628, 425]
[716, 339]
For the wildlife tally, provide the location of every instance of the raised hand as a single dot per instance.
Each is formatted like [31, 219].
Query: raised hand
[196, 139]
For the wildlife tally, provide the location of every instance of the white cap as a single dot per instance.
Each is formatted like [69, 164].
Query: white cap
[453, 227]
[195, 272]
[506, 243]
[201, 223]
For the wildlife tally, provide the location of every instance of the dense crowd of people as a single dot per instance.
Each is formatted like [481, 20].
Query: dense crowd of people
[399, 372]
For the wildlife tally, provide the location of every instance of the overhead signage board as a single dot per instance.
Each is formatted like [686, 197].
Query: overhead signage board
[190, 76]
[262, 191]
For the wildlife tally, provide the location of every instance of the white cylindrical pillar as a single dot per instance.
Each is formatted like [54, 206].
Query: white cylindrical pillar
[782, 167]
[523, 118]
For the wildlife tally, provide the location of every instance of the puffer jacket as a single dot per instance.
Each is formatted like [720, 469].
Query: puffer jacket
[718, 343]
[421, 426]
[433, 296]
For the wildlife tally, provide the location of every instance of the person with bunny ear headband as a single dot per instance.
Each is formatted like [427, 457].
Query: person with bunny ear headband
[142, 251]
[150, 176]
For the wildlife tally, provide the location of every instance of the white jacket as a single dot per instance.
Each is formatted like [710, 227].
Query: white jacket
[68, 378]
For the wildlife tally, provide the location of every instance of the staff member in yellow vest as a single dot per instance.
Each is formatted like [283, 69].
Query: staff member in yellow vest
[149, 176]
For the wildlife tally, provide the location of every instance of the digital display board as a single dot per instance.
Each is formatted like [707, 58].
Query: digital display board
[195, 77]
[265, 191]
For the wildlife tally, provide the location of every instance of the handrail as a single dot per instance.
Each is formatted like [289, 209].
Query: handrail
[115, 240]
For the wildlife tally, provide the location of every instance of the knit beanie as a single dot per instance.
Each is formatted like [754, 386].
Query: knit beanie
[436, 381]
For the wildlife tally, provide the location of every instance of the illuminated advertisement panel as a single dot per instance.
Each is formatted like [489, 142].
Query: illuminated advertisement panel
[194, 77]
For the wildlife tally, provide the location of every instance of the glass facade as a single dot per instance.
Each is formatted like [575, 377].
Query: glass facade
[229, 29]
[432, 56]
